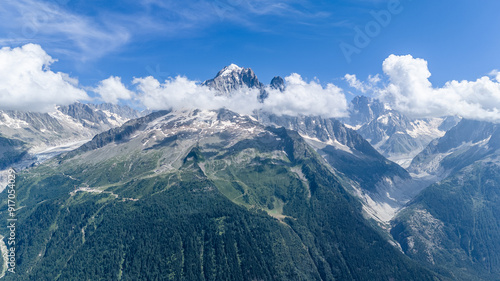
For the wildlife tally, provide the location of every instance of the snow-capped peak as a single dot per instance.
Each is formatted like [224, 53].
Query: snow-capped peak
[233, 77]
[228, 70]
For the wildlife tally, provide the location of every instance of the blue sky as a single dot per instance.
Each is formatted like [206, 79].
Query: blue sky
[428, 55]
[459, 39]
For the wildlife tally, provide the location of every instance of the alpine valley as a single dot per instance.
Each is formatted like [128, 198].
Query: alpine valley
[105, 192]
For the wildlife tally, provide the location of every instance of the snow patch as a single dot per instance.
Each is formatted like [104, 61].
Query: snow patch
[231, 69]
[335, 143]
[357, 127]
[12, 123]
[380, 211]
[384, 119]
[114, 119]
[71, 122]
[429, 128]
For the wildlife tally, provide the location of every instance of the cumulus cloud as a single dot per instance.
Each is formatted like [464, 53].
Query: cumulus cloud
[182, 93]
[410, 91]
[361, 86]
[27, 83]
[299, 97]
[495, 74]
[306, 98]
[112, 89]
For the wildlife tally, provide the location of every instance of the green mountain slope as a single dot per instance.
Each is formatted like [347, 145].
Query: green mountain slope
[455, 224]
[11, 151]
[197, 195]
[382, 186]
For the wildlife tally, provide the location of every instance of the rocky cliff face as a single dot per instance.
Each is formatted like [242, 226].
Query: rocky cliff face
[394, 135]
[383, 186]
[28, 138]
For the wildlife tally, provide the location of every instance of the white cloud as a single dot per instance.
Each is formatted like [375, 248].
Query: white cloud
[373, 79]
[495, 74]
[182, 93]
[112, 89]
[363, 87]
[299, 97]
[27, 83]
[355, 83]
[411, 92]
[305, 98]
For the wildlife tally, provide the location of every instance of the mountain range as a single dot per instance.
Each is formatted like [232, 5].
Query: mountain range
[31, 137]
[396, 136]
[454, 223]
[109, 192]
[198, 195]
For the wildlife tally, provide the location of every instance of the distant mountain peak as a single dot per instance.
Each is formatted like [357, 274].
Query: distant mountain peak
[230, 69]
[364, 109]
[232, 78]
[278, 83]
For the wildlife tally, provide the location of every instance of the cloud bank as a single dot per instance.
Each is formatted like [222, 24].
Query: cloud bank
[299, 97]
[27, 83]
[182, 93]
[410, 91]
[306, 98]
